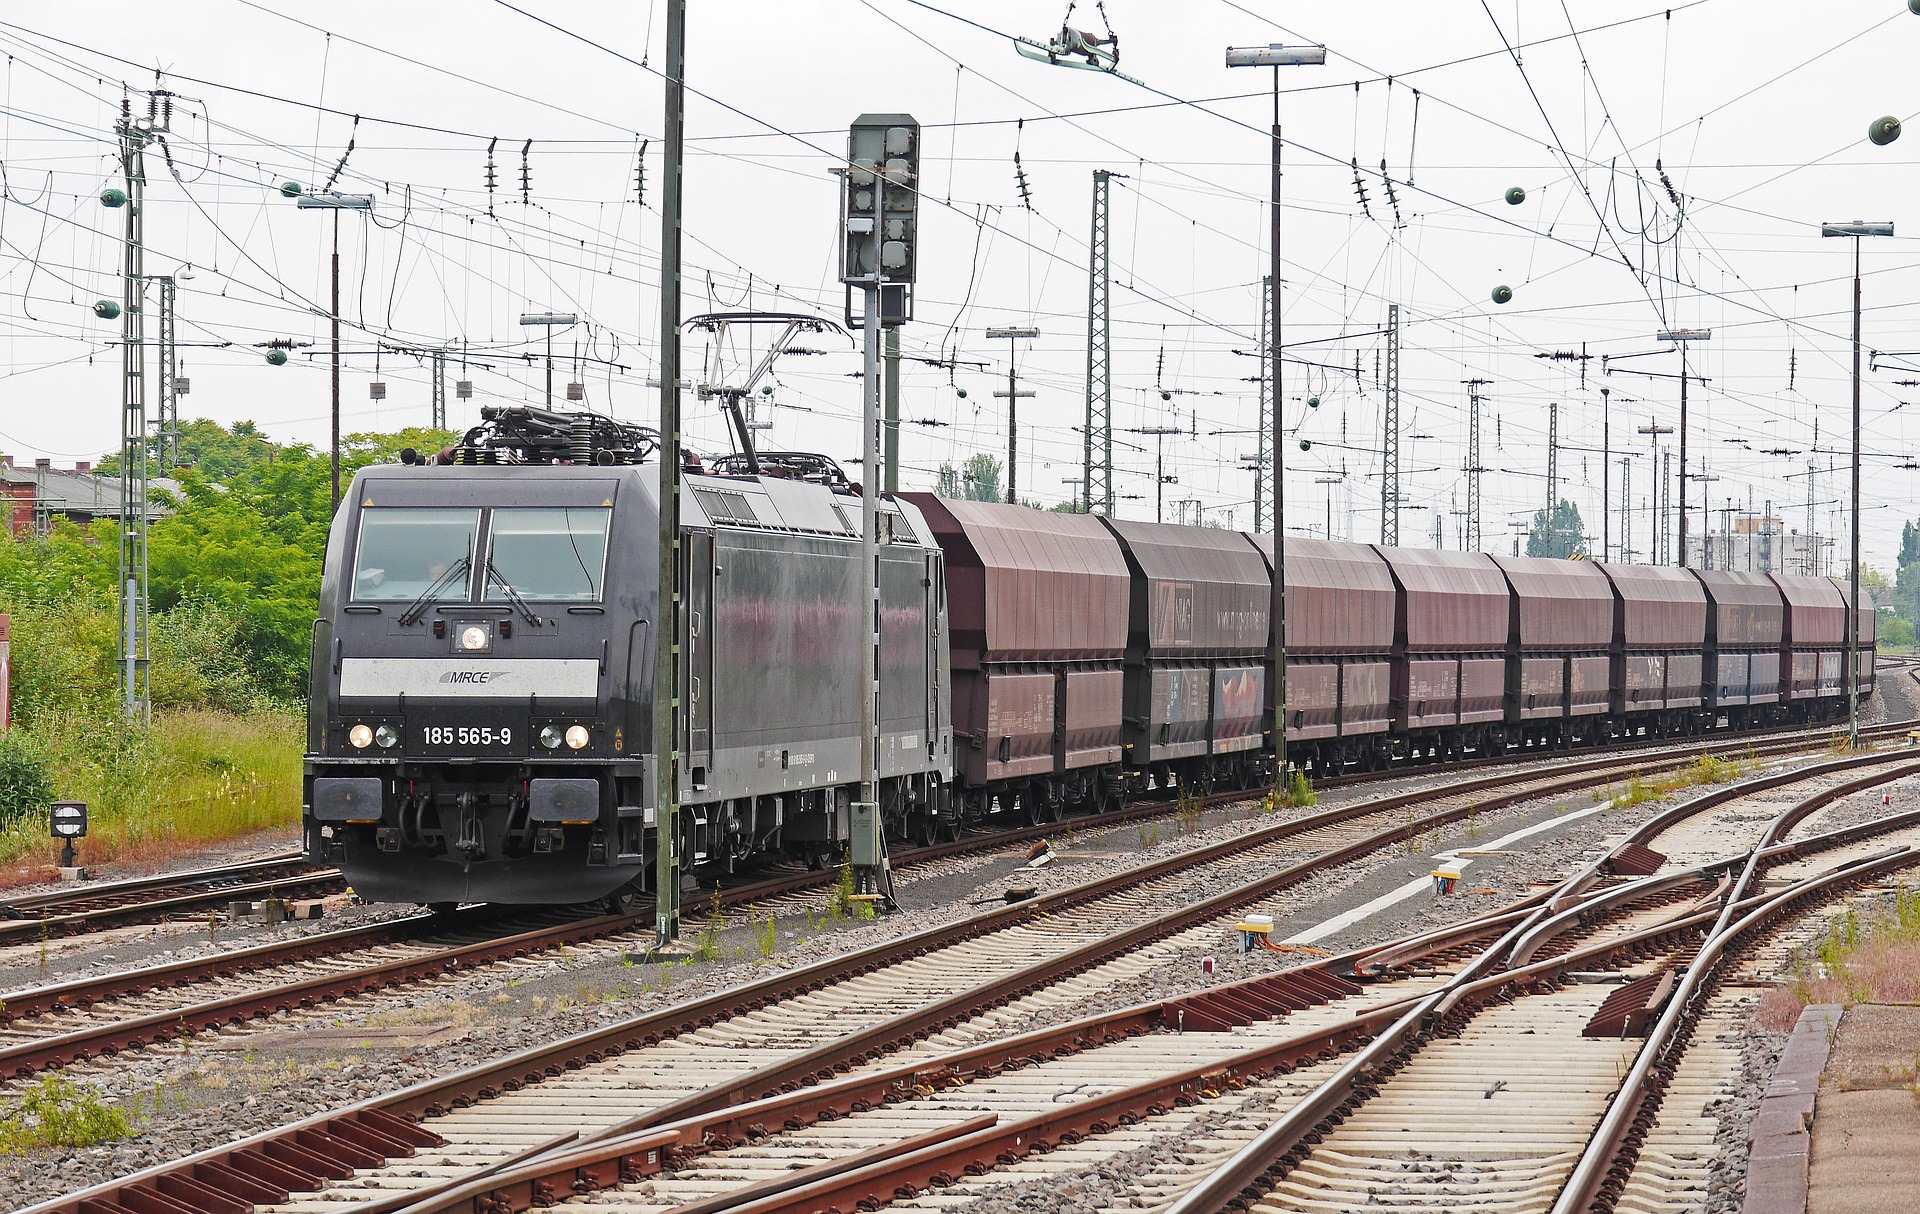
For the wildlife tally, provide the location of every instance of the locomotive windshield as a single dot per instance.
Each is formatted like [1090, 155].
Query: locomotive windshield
[405, 550]
[549, 554]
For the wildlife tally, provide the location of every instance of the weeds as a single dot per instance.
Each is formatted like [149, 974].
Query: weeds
[1705, 769]
[1873, 957]
[840, 897]
[1186, 808]
[1300, 792]
[1149, 833]
[707, 944]
[1295, 792]
[766, 935]
[57, 1112]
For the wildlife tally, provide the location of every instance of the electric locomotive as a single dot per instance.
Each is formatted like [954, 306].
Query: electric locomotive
[480, 724]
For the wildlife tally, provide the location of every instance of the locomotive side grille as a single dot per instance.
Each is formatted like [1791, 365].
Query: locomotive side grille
[726, 506]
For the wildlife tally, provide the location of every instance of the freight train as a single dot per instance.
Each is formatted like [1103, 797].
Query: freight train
[481, 712]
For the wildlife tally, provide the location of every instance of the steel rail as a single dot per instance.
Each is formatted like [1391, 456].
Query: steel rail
[26, 1058]
[532, 1065]
[1284, 1137]
[34, 916]
[901, 1168]
[544, 1177]
[1617, 1134]
[142, 910]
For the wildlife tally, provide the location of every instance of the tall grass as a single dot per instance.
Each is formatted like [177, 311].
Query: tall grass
[195, 776]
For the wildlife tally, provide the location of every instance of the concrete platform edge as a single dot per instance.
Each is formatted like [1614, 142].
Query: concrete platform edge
[1781, 1141]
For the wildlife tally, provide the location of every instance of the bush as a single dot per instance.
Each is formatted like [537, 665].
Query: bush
[26, 778]
[64, 658]
[58, 1112]
[200, 659]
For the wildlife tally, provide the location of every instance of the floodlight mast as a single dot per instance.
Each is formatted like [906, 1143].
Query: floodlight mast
[1277, 56]
[1856, 229]
[330, 201]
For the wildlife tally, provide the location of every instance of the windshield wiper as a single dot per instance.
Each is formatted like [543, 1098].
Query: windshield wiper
[418, 607]
[513, 596]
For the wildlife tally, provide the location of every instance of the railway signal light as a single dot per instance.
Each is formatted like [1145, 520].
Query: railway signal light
[880, 207]
[68, 821]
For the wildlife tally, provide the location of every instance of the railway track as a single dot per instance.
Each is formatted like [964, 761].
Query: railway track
[1577, 1146]
[1047, 1106]
[99, 1016]
[807, 1025]
[88, 908]
[30, 918]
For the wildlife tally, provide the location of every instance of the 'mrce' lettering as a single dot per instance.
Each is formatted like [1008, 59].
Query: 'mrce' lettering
[467, 676]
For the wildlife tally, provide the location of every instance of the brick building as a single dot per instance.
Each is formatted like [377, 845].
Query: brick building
[33, 496]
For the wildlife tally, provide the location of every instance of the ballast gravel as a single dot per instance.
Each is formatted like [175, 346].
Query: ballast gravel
[212, 1090]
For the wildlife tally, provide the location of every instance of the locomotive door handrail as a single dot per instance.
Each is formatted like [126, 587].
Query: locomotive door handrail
[696, 645]
[936, 595]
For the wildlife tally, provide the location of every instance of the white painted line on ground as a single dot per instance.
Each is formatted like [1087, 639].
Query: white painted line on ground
[1342, 922]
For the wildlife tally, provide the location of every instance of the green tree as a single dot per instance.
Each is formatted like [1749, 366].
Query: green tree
[1909, 544]
[1560, 536]
[1896, 632]
[978, 480]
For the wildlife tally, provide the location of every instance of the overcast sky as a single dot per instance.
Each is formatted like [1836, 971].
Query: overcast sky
[1756, 110]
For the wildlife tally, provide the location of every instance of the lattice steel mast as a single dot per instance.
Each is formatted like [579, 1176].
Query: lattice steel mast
[1390, 471]
[1096, 470]
[135, 134]
[1263, 468]
[1474, 468]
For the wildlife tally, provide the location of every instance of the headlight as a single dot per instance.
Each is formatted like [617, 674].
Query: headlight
[361, 736]
[577, 737]
[551, 736]
[473, 637]
[386, 735]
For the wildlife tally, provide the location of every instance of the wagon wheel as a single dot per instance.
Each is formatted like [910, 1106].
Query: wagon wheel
[623, 900]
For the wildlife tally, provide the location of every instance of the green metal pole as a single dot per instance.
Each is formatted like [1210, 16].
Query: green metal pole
[666, 690]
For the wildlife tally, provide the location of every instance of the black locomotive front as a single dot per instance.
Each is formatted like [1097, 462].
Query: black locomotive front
[478, 710]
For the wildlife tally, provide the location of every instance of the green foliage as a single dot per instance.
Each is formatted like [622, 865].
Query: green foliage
[1186, 807]
[840, 897]
[1896, 632]
[707, 944]
[58, 1112]
[1295, 792]
[978, 480]
[235, 569]
[26, 778]
[1705, 769]
[1559, 537]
